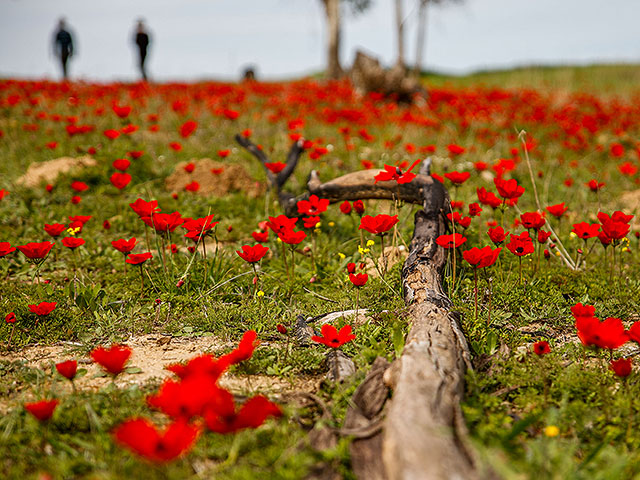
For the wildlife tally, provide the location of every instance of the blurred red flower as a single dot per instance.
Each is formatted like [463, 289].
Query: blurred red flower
[112, 359]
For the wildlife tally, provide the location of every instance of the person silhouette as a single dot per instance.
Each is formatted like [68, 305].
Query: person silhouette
[141, 39]
[63, 45]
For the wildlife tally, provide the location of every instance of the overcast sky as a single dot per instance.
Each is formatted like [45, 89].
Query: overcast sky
[196, 39]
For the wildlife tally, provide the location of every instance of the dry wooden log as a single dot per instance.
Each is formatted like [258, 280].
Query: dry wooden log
[364, 414]
[424, 432]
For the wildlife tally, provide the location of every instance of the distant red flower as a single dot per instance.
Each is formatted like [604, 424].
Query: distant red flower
[79, 187]
[543, 236]
[453, 240]
[358, 206]
[42, 410]
[379, 224]
[112, 359]
[189, 167]
[252, 254]
[6, 249]
[142, 437]
[111, 134]
[124, 246]
[332, 338]
[76, 199]
[121, 111]
[275, 167]
[281, 223]
[628, 169]
[455, 149]
[358, 279]
[583, 311]
[199, 227]
[224, 153]
[481, 257]
[541, 348]
[497, 235]
[458, 219]
[10, 318]
[43, 308]
[72, 242]
[345, 207]
[313, 206]
[54, 230]
[508, 189]
[120, 180]
[187, 128]
[138, 258]
[310, 222]
[457, 178]
[621, 367]
[557, 210]
[474, 209]
[176, 146]
[617, 150]
[67, 369]
[520, 245]
[192, 187]
[594, 185]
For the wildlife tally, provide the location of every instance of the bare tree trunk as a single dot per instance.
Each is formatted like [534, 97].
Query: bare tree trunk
[332, 9]
[400, 34]
[421, 35]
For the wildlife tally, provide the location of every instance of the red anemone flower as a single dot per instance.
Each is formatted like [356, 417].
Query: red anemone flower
[621, 367]
[79, 186]
[275, 167]
[252, 254]
[138, 258]
[453, 240]
[585, 230]
[481, 257]
[121, 164]
[42, 410]
[345, 207]
[223, 417]
[594, 185]
[520, 245]
[199, 227]
[557, 210]
[187, 128]
[457, 178]
[532, 220]
[391, 173]
[112, 359]
[260, 237]
[120, 180]
[144, 208]
[35, 251]
[6, 249]
[497, 235]
[292, 238]
[72, 242]
[313, 206]
[54, 230]
[124, 246]
[43, 308]
[164, 222]
[541, 348]
[358, 279]
[67, 369]
[333, 338]
[379, 224]
[488, 198]
[143, 438]
[508, 189]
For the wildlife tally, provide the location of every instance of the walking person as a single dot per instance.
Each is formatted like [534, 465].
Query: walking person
[63, 46]
[141, 39]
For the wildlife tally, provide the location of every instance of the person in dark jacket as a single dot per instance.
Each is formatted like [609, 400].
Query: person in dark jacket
[63, 46]
[141, 39]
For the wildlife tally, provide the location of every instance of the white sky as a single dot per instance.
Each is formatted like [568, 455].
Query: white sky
[196, 39]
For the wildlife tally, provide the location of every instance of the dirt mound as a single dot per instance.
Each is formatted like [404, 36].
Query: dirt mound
[48, 172]
[215, 179]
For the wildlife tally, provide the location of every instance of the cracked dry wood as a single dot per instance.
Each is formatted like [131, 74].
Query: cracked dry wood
[424, 432]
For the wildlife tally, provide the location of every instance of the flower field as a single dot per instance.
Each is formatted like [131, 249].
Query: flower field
[133, 226]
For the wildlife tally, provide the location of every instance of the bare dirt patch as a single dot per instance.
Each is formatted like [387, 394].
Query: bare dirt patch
[215, 179]
[48, 172]
[151, 354]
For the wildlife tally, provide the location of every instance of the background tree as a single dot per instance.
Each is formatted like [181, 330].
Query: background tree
[332, 12]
